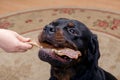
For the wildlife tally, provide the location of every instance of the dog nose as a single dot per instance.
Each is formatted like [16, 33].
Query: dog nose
[45, 28]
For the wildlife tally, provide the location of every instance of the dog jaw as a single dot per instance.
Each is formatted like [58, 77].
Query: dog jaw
[64, 55]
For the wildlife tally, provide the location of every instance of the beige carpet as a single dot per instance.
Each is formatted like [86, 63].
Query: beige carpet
[27, 66]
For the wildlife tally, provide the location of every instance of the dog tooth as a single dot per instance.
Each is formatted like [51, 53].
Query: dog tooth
[41, 47]
[59, 51]
[54, 50]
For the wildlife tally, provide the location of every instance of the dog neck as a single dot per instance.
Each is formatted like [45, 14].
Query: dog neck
[62, 74]
[71, 72]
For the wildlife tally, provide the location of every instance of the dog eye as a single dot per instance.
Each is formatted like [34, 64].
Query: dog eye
[73, 31]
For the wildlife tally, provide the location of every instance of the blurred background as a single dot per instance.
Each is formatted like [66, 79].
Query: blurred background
[8, 6]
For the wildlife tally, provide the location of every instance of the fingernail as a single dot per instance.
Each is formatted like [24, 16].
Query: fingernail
[30, 46]
[28, 39]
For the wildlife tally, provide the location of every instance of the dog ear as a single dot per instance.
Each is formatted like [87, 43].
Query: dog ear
[93, 52]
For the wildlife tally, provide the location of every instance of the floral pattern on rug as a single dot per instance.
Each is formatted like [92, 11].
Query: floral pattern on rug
[113, 24]
[105, 24]
[102, 21]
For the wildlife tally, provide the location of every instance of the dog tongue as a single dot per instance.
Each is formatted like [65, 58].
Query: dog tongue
[69, 52]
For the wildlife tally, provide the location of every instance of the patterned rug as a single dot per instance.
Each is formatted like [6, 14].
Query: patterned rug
[27, 66]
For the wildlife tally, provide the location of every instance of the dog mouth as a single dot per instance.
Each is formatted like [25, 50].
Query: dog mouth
[50, 53]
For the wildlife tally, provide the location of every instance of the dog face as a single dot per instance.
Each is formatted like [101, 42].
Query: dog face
[72, 34]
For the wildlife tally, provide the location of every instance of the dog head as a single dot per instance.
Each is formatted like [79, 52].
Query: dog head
[72, 34]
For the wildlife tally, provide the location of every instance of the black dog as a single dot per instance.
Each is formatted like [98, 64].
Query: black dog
[72, 34]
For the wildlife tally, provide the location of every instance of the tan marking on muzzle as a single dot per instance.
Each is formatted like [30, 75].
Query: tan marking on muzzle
[70, 24]
[59, 36]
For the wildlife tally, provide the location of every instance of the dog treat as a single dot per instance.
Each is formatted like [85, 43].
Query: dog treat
[34, 43]
[68, 52]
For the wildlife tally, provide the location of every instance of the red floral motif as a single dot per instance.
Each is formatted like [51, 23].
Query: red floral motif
[54, 14]
[89, 17]
[41, 20]
[108, 17]
[113, 25]
[65, 11]
[116, 22]
[55, 10]
[28, 21]
[5, 24]
[82, 10]
[102, 23]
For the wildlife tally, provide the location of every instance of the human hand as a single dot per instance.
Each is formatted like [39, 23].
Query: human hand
[11, 41]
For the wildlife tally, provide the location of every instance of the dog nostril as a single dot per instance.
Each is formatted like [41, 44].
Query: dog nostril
[49, 28]
[45, 28]
[52, 30]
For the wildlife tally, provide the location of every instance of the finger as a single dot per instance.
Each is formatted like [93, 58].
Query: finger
[21, 50]
[25, 46]
[16, 50]
[23, 39]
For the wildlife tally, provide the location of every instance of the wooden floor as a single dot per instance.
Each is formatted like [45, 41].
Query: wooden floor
[9, 6]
